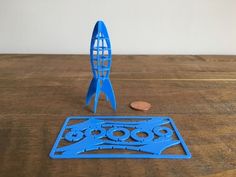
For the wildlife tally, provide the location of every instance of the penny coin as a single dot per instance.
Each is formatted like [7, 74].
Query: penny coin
[140, 105]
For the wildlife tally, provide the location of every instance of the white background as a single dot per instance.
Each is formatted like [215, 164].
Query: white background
[135, 26]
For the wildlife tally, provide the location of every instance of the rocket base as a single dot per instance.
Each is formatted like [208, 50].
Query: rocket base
[97, 86]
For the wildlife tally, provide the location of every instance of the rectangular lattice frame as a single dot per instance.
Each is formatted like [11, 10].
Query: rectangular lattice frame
[186, 151]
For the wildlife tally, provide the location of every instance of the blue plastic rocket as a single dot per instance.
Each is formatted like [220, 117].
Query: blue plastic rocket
[100, 58]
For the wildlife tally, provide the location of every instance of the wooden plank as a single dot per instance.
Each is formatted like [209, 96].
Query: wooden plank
[38, 91]
[128, 67]
[68, 96]
[28, 140]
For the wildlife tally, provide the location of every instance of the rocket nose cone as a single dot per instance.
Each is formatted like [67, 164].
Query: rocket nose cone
[101, 21]
[101, 25]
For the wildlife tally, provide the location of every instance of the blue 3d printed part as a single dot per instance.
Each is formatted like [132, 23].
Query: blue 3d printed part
[119, 137]
[100, 58]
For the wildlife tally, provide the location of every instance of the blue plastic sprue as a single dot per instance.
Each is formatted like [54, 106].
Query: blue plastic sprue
[100, 58]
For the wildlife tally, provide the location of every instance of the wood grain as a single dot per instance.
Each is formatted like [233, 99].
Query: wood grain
[38, 92]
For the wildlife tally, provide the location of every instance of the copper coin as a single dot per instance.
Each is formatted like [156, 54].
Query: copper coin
[140, 105]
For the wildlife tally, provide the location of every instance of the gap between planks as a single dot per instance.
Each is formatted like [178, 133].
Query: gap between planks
[171, 79]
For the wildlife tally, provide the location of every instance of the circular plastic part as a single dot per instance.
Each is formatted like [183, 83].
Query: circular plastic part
[125, 131]
[74, 136]
[163, 131]
[100, 132]
[135, 136]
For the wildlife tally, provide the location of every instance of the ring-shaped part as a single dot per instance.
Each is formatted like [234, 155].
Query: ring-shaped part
[158, 131]
[125, 131]
[149, 136]
[73, 136]
[101, 134]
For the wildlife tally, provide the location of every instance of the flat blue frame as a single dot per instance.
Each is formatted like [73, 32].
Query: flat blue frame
[187, 154]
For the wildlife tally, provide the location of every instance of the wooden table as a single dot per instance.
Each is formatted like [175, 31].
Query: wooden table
[38, 92]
